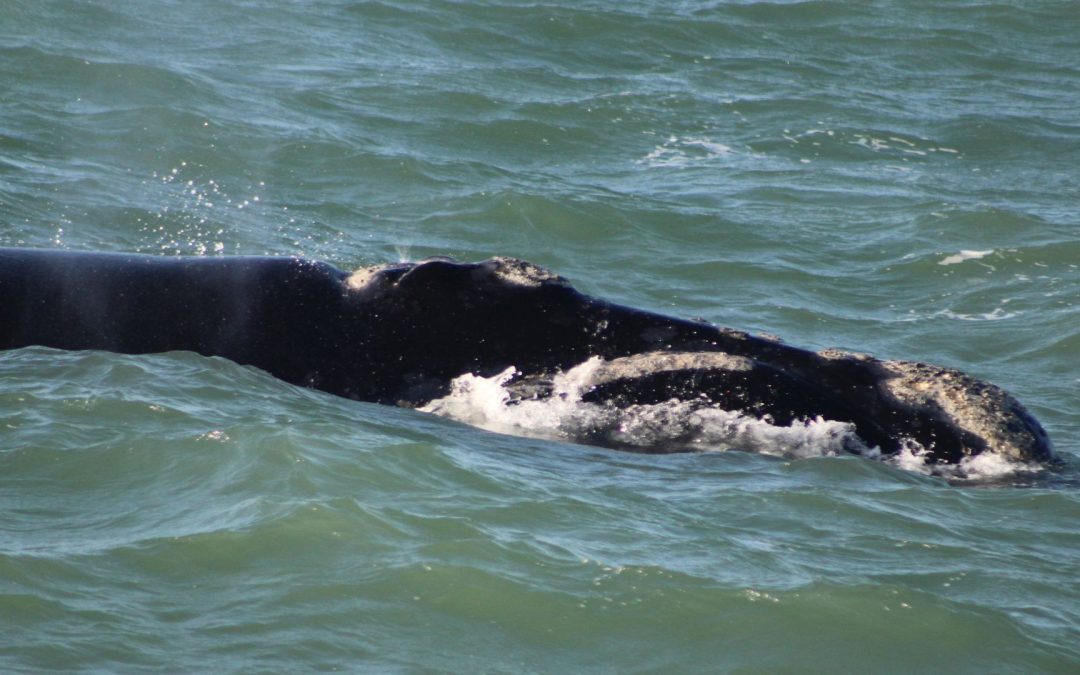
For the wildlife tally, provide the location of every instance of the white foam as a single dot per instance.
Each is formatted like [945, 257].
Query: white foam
[490, 403]
[997, 314]
[965, 255]
[991, 466]
[984, 467]
[684, 425]
[683, 152]
[912, 457]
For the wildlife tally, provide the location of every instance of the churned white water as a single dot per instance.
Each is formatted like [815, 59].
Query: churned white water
[688, 425]
[675, 425]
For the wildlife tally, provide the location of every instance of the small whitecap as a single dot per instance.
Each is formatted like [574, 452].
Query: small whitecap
[964, 255]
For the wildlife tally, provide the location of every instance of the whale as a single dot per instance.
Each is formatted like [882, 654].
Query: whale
[403, 333]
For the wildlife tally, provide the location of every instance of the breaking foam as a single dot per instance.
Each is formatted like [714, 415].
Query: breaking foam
[987, 467]
[491, 403]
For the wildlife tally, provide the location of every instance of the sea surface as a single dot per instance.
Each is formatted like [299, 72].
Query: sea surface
[898, 177]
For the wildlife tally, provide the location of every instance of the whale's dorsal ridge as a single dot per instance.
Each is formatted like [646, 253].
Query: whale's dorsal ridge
[497, 272]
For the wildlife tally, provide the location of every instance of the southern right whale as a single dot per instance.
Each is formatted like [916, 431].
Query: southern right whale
[401, 333]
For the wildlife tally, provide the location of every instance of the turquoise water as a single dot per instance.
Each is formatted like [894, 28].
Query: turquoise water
[891, 177]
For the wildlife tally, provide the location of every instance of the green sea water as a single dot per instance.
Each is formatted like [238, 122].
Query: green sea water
[892, 177]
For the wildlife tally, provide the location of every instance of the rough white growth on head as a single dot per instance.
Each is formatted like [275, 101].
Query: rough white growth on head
[638, 365]
[979, 407]
[520, 272]
[359, 279]
[834, 354]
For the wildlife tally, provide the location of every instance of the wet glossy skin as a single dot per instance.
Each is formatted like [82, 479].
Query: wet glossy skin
[399, 334]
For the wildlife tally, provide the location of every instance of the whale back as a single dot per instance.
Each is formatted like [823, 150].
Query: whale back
[401, 334]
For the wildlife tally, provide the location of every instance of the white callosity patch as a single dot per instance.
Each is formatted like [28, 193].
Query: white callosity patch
[360, 279]
[983, 409]
[834, 354]
[520, 272]
[510, 271]
[651, 363]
